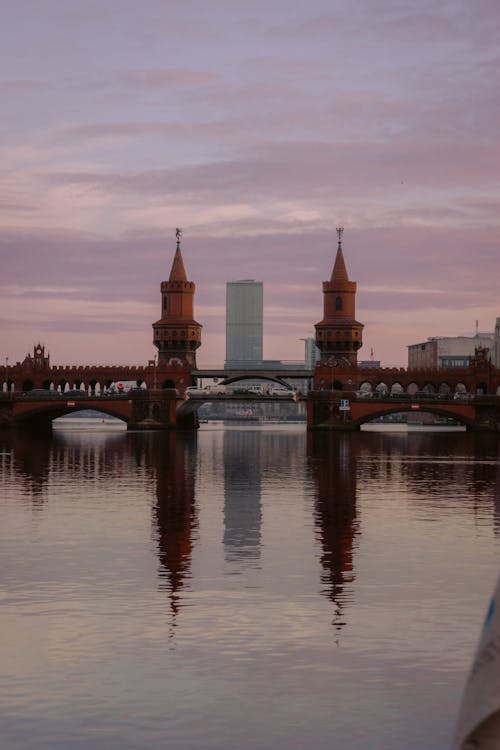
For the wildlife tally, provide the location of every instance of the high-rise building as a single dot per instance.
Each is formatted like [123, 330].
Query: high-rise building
[311, 353]
[244, 313]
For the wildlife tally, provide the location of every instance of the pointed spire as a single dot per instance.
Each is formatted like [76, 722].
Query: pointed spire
[178, 272]
[339, 273]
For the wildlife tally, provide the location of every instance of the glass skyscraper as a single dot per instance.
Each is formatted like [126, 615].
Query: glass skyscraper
[311, 353]
[244, 313]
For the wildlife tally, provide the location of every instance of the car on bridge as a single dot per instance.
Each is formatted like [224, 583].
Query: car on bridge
[206, 390]
[277, 391]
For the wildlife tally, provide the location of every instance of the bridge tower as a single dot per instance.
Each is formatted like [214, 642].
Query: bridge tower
[176, 334]
[339, 335]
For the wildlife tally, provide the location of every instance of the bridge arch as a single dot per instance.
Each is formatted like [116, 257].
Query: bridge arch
[381, 388]
[396, 387]
[429, 388]
[444, 388]
[438, 410]
[41, 416]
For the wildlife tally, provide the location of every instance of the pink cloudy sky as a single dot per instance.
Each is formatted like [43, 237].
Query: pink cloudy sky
[257, 127]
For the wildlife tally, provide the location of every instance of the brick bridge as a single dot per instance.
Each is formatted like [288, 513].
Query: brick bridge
[165, 409]
[140, 410]
[325, 410]
[470, 395]
[147, 410]
[336, 377]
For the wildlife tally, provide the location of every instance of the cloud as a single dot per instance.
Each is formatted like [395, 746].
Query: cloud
[258, 128]
[165, 78]
[293, 171]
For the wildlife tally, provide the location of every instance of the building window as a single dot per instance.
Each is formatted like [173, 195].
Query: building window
[165, 302]
[338, 303]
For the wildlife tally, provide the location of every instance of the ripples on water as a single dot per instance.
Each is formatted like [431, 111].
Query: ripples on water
[253, 587]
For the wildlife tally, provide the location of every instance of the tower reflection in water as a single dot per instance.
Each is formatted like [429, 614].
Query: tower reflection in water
[173, 458]
[332, 462]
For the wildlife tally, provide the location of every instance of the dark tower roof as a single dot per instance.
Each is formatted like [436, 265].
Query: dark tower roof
[178, 272]
[339, 273]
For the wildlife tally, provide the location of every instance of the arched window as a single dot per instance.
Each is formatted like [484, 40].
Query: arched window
[338, 303]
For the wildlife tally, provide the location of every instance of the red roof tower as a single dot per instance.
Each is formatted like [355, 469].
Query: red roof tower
[339, 334]
[176, 334]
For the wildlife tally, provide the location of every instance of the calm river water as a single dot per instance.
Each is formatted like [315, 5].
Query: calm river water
[246, 587]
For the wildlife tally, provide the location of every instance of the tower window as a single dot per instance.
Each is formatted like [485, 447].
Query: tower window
[165, 302]
[338, 303]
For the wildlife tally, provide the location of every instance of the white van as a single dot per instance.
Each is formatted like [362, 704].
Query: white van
[280, 391]
[217, 389]
[193, 390]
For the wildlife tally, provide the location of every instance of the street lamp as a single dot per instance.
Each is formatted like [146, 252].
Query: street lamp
[7, 374]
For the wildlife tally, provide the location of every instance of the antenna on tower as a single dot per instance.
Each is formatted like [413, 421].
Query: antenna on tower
[178, 235]
[340, 232]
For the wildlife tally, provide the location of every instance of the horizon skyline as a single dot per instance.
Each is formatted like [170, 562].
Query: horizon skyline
[311, 334]
[372, 354]
[258, 129]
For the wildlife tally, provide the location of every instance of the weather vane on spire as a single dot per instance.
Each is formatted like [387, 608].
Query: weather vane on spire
[340, 232]
[178, 235]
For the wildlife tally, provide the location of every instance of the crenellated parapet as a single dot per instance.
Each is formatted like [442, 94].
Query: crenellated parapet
[473, 379]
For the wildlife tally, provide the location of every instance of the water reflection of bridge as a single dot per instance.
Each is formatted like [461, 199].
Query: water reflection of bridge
[170, 467]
